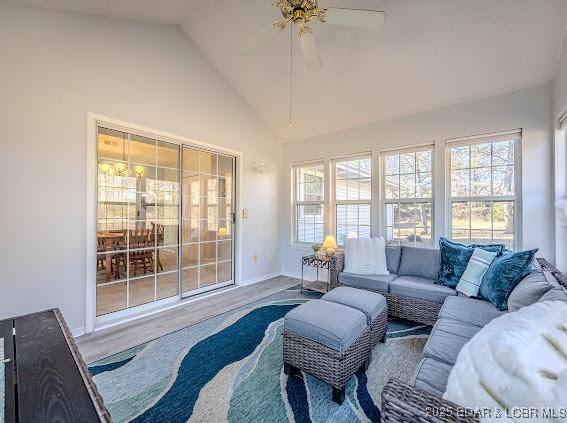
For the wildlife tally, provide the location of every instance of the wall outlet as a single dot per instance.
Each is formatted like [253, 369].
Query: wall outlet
[269, 255]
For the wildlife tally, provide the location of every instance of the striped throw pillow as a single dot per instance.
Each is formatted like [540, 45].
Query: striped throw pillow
[469, 284]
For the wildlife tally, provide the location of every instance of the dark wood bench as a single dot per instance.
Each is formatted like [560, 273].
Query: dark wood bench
[46, 379]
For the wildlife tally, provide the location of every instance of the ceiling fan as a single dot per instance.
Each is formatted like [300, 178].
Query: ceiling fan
[300, 13]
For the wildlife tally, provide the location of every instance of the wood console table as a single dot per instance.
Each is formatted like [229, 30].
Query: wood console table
[46, 379]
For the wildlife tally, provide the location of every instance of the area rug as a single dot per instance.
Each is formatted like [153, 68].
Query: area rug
[229, 369]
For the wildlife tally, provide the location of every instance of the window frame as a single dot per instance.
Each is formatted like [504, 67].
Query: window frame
[295, 202]
[384, 202]
[333, 200]
[516, 135]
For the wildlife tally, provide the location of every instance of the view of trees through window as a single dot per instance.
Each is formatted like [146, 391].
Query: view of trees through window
[483, 192]
[408, 190]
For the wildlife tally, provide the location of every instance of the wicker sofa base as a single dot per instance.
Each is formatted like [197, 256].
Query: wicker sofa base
[414, 309]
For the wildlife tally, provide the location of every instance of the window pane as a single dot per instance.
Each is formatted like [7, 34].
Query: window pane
[407, 186]
[481, 215]
[424, 185]
[503, 215]
[480, 155]
[460, 157]
[341, 189]
[407, 163]
[142, 150]
[460, 183]
[392, 165]
[309, 183]
[460, 215]
[480, 181]
[424, 160]
[365, 187]
[392, 187]
[309, 223]
[503, 180]
[503, 153]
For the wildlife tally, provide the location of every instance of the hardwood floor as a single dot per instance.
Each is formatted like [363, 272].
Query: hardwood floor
[105, 342]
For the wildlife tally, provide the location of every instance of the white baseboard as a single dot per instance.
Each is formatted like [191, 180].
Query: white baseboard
[78, 332]
[258, 279]
[298, 276]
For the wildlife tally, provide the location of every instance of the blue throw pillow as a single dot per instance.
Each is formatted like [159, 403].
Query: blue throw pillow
[504, 274]
[455, 257]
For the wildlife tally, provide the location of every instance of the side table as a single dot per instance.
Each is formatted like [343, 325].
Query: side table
[314, 260]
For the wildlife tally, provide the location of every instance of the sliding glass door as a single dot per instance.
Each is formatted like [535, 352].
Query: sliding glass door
[146, 187]
[207, 250]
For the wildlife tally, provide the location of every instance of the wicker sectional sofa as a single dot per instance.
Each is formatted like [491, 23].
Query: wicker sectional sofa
[455, 320]
[410, 289]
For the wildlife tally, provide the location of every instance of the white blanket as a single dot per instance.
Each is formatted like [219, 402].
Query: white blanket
[518, 360]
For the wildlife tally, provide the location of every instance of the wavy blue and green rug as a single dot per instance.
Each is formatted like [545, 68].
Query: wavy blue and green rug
[229, 369]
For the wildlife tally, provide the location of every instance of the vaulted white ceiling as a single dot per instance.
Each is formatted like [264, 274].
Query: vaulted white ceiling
[430, 54]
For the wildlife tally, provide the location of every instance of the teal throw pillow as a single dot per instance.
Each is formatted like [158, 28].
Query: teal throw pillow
[504, 274]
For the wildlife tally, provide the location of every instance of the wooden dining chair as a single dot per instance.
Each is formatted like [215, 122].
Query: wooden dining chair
[142, 242]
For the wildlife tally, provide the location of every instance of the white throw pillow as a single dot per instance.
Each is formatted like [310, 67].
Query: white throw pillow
[517, 360]
[480, 261]
[365, 256]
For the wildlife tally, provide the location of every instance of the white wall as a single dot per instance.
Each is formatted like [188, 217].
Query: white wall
[560, 86]
[56, 67]
[528, 109]
[560, 155]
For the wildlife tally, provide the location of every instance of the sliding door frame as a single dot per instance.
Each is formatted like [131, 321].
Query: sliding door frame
[94, 121]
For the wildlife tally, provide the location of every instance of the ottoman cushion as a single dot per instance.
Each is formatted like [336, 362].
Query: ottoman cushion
[334, 325]
[370, 303]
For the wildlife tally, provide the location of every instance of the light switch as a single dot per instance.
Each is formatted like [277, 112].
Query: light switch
[245, 213]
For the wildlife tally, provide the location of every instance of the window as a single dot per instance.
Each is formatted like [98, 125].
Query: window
[407, 193]
[352, 197]
[309, 202]
[483, 193]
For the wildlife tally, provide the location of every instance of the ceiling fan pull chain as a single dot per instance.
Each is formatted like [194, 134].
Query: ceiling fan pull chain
[290, 76]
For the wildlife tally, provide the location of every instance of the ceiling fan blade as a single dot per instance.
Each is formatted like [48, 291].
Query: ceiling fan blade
[366, 19]
[260, 38]
[310, 50]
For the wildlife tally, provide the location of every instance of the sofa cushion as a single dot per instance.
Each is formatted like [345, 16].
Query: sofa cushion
[393, 256]
[372, 282]
[504, 274]
[529, 290]
[469, 310]
[422, 288]
[555, 294]
[455, 257]
[316, 320]
[431, 376]
[447, 338]
[422, 262]
[370, 303]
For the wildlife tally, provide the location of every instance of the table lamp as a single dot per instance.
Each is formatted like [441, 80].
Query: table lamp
[330, 245]
[223, 232]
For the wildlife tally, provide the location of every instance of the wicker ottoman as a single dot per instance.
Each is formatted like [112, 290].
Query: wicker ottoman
[372, 304]
[328, 340]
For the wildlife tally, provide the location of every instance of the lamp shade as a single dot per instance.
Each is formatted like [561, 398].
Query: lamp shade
[330, 242]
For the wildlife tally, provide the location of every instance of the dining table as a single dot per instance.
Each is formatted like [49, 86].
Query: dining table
[109, 240]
